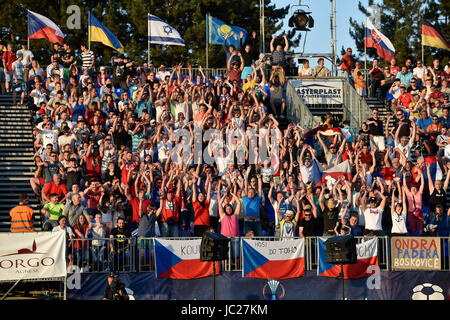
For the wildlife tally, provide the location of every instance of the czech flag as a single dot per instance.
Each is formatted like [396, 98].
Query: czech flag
[375, 39]
[331, 176]
[325, 131]
[281, 259]
[180, 259]
[432, 37]
[367, 253]
[40, 27]
[435, 170]
[99, 33]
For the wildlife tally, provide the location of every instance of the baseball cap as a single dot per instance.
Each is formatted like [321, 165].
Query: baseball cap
[307, 207]
[289, 213]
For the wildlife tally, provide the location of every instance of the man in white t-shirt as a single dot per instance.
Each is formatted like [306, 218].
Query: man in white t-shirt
[162, 73]
[50, 137]
[27, 58]
[373, 214]
[17, 72]
[420, 71]
[38, 94]
[305, 70]
[164, 148]
[55, 68]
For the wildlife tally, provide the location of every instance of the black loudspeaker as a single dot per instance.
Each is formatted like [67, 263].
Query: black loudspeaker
[341, 250]
[214, 247]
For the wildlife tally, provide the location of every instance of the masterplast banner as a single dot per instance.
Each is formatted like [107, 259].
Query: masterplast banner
[319, 91]
[281, 259]
[32, 255]
[180, 259]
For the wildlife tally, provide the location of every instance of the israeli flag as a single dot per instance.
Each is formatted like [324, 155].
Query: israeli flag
[160, 32]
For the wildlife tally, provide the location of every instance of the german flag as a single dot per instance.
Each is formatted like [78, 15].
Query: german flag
[432, 37]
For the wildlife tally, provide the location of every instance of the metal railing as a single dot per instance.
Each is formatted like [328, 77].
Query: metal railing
[137, 254]
[296, 109]
[102, 254]
[356, 108]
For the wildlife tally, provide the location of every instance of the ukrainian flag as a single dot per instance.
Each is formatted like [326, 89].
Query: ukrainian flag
[99, 33]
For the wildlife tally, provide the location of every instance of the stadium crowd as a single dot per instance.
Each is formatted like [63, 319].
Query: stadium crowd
[126, 152]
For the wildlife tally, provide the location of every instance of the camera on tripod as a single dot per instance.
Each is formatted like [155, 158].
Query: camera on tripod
[117, 288]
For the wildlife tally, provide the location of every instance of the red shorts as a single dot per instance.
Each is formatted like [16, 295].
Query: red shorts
[41, 181]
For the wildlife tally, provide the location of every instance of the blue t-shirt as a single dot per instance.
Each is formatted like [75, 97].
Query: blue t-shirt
[423, 124]
[445, 122]
[78, 110]
[251, 206]
[442, 226]
[144, 105]
[405, 78]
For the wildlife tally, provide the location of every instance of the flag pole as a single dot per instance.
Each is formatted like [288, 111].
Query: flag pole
[206, 38]
[365, 57]
[148, 39]
[28, 36]
[89, 30]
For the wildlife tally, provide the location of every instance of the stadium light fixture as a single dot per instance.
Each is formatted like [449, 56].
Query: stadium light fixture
[301, 20]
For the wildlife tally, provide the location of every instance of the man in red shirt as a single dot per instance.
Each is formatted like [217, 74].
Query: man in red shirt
[435, 95]
[134, 202]
[54, 187]
[93, 162]
[93, 194]
[394, 68]
[169, 209]
[346, 64]
[8, 58]
[235, 69]
[405, 98]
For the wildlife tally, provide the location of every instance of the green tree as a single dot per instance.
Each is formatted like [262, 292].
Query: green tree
[128, 21]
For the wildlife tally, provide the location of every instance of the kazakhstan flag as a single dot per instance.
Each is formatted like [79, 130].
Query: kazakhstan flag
[99, 33]
[216, 31]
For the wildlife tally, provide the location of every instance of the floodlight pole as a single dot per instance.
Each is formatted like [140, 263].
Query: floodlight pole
[214, 280]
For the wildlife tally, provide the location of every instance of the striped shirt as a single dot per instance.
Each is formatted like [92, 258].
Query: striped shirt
[87, 58]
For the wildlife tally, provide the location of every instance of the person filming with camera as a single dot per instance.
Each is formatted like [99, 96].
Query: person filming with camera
[115, 290]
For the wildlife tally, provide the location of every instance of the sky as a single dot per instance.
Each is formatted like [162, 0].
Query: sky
[318, 40]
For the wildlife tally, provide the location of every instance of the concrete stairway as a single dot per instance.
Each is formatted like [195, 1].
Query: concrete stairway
[16, 159]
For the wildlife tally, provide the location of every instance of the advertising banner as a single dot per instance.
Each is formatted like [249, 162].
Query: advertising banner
[319, 91]
[32, 255]
[386, 285]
